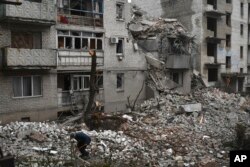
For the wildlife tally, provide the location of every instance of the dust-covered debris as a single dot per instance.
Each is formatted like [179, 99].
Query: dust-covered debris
[157, 134]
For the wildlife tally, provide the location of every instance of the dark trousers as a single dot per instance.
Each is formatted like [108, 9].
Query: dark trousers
[82, 148]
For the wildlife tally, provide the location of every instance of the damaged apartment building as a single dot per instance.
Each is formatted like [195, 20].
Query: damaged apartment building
[221, 29]
[45, 64]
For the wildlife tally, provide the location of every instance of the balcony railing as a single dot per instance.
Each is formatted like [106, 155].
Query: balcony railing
[64, 97]
[30, 12]
[77, 58]
[95, 21]
[29, 58]
[212, 12]
[178, 62]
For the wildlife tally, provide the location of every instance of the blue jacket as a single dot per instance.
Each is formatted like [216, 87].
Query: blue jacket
[82, 137]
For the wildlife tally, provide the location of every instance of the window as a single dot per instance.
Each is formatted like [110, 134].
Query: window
[100, 81]
[241, 29]
[79, 40]
[81, 82]
[211, 49]
[241, 52]
[27, 86]
[241, 70]
[241, 9]
[228, 19]
[228, 40]
[119, 47]
[228, 61]
[120, 81]
[177, 77]
[212, 75]
[119, 11]
[212, 2]
[26, 40]
[228, 1]
[212, 25]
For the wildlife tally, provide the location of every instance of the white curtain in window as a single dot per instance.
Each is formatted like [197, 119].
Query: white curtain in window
[27, 91]
[17, 86]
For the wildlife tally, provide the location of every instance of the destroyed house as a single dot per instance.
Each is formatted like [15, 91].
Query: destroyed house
[168, 48]
[45, 62]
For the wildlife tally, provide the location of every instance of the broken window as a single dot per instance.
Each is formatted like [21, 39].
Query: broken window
[84, 43]
[119, 11]
[100, 81]
[241, 29]
[212, 25]
[213, 3]
[119, 47]
[228, 61]
[80, 40]
[27, 86]
[26, 40]
[99, 44]
[61, 42]
[228, 40]
[63, 82]
[241, 9]
[212, 75]
[177, 77]
[92, 44]
[77, 43]
[120, 81]
[241, 52]
[81, 82]
[86, 82]
[211, 49]
[228, 19]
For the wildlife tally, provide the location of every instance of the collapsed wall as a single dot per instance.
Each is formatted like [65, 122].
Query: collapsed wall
[168, 48]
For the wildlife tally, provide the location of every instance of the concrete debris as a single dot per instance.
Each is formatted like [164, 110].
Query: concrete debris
[38, 137]
[191, 107]
[154, 62]
[154, 136]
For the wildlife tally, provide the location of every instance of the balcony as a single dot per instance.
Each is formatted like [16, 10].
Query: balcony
[178, 62]
[212, 37]
[212, 12]
[68, 59]
[14, 58]
[80, 20]
[40, 13]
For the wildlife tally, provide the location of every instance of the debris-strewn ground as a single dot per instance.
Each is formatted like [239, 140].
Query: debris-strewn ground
[160, 133]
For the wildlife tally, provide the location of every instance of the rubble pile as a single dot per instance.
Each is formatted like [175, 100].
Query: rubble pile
[170, 130]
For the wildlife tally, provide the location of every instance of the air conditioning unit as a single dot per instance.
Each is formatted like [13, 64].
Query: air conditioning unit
[113, 40]
[120, 58]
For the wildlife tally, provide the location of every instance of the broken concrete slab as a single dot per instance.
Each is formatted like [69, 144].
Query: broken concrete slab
[191, 108]
[154, 62]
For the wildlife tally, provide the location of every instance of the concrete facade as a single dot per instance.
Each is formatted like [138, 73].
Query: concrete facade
[199, 17]
[69, 63]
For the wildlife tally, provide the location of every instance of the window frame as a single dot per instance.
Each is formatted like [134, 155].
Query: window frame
[83, 36]
[122, 5]
[122, 47]
[241, 29]
[242, 9]
[82, 86]
[241, 52]
[121, 88]
[32, 86]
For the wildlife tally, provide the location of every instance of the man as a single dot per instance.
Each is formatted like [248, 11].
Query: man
[83, 140]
